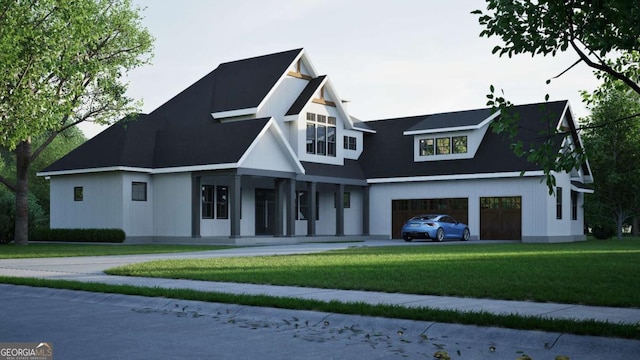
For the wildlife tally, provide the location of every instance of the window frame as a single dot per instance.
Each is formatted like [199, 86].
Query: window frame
[222, 202]
[427, 149]
[208, 202]
[137, 194]
[559, 203]
[78, 193]
[574, 205]
[456, 147]
[440, 148]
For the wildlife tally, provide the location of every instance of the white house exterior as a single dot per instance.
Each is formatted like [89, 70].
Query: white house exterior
[236, 156]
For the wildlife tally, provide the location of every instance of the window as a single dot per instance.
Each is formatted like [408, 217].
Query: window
[302, 205]
[321, 135]
[459, 144]
[78, 193]
[574, 205]
[558, 203]
[350, 143]
[222, 202]
[321, 140]
[426, 147]
[311, 138]
[346, 200]
[139, 191]
[207, 201]
[443, 146]
[331, 141]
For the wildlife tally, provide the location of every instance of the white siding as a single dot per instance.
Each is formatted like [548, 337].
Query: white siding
[137, 216]
[172, 205]
[269, 154]
[281, 99]
[101, 207]
[533, 193]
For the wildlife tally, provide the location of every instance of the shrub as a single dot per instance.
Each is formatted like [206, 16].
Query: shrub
[604, 231]
[79, 235]
[37, 216]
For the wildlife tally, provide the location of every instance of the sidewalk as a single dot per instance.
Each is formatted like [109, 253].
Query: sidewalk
[90, 269]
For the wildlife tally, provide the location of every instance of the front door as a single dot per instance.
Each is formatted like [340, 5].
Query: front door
[265, 211]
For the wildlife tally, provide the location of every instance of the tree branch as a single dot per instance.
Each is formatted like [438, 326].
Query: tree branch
[605, 68]
[8, 184]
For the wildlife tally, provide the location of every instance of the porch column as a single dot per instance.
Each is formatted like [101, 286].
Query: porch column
[235, 201]
[279, 229]
[339, 200]
[311, 216]
[365, 210]
[196, 198]
[290, 204]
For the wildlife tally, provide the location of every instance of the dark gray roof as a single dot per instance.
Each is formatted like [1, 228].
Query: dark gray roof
[389, 153]
[305, 95]
[243, 84]
[451, 120]
[182, 132]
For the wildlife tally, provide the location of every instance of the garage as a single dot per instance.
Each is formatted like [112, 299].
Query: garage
[501, 218]
[404, 209]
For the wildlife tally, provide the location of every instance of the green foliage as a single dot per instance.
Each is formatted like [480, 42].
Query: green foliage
[37, 217]
[612, 138]
[79, 235]
[604, 35]
[62, 61]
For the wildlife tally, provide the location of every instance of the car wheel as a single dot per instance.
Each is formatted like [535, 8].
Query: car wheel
[440, 235]
[465, 234]
[407, 238]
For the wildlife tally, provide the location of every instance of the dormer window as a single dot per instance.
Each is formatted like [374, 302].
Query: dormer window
[443, 146]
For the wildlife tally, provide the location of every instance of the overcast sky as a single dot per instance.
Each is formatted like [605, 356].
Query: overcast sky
[388, 58]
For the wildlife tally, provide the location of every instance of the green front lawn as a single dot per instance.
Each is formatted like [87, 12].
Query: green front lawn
[35, 250]
[595, 272]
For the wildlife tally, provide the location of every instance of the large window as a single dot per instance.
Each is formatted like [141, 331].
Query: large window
[558, 203]
[139, 191]
[321, 135]
[215, 202]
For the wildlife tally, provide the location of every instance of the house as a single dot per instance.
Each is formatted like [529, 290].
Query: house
[264, 149]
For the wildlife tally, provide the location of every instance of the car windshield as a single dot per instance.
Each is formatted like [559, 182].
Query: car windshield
[425, 217]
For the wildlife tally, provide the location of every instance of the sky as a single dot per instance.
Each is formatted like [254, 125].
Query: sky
[387, 58]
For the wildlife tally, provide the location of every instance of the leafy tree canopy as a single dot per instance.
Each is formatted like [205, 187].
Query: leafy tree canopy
[604, 34]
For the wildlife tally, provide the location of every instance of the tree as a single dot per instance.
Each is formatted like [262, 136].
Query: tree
[612, 140]
[604, 34]
[61, 63]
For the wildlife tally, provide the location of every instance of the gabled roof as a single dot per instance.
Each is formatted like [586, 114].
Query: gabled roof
[390, 153]
[305, 96]
[458, 120]
[243, 84]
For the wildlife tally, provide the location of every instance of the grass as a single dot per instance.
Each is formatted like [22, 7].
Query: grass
[34, 250]
[588, 327]
[603, 273]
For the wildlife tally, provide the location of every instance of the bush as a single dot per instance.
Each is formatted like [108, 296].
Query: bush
[604, 231]
[37, 216]
[79, 235]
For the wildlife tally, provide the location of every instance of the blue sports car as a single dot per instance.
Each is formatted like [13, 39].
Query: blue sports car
[437, 227]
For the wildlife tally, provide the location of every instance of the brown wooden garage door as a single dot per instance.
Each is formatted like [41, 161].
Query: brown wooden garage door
[405, 209]
[501, 218]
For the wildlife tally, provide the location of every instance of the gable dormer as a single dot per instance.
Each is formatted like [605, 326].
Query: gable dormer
[449, 136]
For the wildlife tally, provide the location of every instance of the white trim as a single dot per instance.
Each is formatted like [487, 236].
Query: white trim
[167, 170]
[233, 113]
[512, 174]
[457, 128]
[582, 190]
[281, 139]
